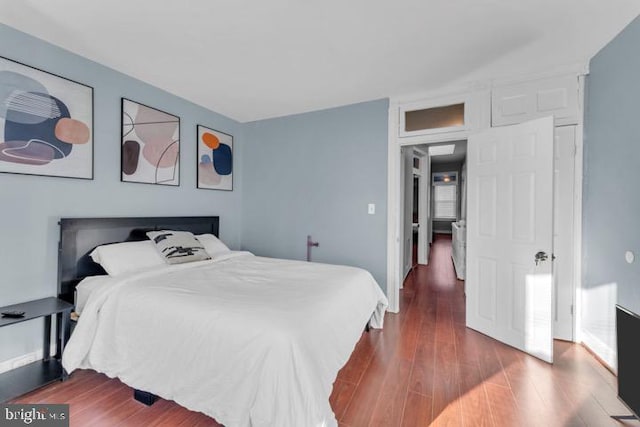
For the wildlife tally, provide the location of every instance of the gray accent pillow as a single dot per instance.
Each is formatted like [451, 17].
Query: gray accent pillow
[178, 246]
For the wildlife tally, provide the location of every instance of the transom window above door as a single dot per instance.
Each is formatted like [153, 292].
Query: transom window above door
[447, 116]
[451, 115]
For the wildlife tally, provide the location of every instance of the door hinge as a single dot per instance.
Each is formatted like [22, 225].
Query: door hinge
[571, 309]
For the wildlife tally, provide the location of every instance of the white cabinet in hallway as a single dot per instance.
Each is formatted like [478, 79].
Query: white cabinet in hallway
[459, 247]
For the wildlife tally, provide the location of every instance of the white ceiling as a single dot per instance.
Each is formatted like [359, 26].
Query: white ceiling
[255, 59]
[459, 152]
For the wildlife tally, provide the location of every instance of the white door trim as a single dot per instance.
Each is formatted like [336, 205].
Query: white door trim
[480, 120]
[394, 211]
[406, 214]
[577, 214]
[395, 208]
[423, 217]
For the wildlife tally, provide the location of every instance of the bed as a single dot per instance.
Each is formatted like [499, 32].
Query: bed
[247, 340]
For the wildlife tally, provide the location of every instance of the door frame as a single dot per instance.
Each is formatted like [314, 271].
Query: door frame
[395, 206]
[423, 197]
[420, 174]
[406, 220]
[423, 201]
[480, 99]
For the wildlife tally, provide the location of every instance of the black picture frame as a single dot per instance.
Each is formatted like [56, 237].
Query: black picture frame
[50, 121]
[215, 158]
[149, 145]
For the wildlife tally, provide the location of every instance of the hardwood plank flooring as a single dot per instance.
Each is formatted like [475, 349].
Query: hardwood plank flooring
[424, 368]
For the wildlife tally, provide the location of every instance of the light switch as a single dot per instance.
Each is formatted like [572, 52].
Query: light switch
[371, 209]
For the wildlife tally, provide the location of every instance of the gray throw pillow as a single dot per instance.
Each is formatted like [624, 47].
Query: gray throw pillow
[178, 246]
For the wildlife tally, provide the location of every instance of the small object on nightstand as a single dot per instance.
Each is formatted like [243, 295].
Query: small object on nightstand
[74, 316]
[12, 313]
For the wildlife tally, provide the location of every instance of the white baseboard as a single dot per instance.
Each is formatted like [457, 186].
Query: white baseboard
[24, 359]
[603, 351]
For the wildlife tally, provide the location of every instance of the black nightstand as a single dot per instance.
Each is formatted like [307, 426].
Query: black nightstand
[29, 377]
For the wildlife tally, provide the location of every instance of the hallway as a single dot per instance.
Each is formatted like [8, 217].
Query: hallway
[427, 368]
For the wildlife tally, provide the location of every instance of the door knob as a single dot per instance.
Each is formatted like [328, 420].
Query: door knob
[541, 256]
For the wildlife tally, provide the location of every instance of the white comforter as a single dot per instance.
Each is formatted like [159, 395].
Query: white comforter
[250, 341]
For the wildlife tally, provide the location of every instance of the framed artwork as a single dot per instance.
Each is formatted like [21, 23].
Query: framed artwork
[215, 159]
[46, 123]
[150, 145]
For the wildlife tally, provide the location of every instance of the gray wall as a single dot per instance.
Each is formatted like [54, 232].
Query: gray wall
[611, 210]
[314, 174]
[31, 205]
[444, 226]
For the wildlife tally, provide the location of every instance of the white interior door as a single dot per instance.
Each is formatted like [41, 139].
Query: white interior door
[509, 221]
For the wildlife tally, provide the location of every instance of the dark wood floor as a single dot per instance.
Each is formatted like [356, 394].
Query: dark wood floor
[424, 368]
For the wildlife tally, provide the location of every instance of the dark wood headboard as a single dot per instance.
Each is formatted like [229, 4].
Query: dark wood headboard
[79, 236]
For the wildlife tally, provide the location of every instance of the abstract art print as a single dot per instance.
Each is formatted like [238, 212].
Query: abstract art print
[150, 145]
[46, 123]
[215, 159]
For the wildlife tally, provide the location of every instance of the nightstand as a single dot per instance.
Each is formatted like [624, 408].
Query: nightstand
[29, 377]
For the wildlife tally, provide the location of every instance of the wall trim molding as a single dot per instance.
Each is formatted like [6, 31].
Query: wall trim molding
[602, 352]
[24, 359]
[599, 359]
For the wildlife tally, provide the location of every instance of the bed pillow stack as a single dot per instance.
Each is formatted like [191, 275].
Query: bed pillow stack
[164, 247]
[178, 247]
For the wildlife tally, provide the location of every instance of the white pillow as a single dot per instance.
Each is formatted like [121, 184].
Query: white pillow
[212, 245]
[177, 247]
[126, 257]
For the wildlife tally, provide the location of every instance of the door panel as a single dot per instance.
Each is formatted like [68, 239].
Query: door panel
[522, 200]
[488, 275]
[486, 212]
[526, 101]
[510, 201]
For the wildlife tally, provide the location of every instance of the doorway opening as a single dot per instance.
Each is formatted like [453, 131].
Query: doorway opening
[438, 200]
[563, 213]
[415, 207]
[415, 219]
